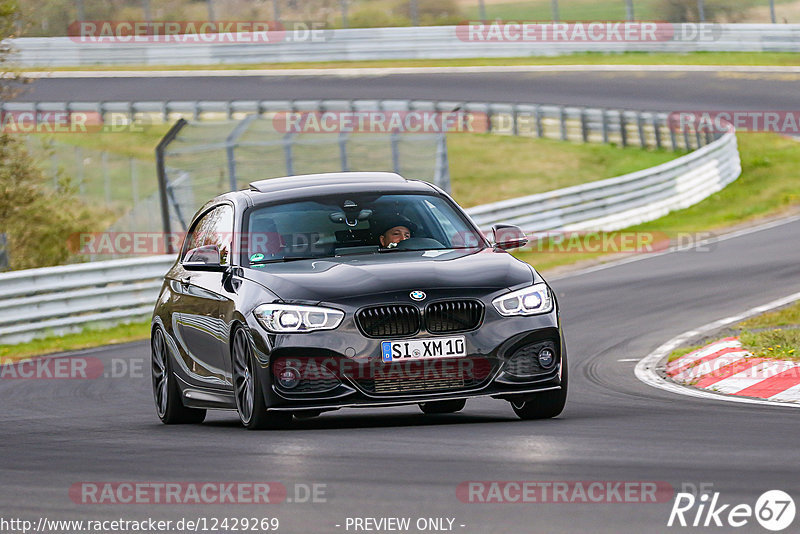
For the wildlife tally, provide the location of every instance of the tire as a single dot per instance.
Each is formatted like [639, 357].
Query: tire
[543, 405]
[447, 406]
[248, 389]
[166, 394]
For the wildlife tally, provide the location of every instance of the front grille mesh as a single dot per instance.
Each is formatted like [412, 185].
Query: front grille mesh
[453, 316]
[525, 361]
[421, 376]
[398, 385]
[389, 320]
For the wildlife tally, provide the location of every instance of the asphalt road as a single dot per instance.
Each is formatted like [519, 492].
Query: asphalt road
[649, 91]
[397, 462]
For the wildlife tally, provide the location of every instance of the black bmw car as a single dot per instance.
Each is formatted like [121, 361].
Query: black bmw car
[311, 293]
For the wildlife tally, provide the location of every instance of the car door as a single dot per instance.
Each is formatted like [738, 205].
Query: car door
[197, 320]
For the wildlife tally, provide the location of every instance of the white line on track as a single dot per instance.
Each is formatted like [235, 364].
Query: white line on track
[646, 369]
[383, 71]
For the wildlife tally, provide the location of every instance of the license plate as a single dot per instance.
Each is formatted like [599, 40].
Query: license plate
[421, 349]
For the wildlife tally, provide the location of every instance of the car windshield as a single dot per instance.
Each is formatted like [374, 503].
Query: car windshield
[366, 223]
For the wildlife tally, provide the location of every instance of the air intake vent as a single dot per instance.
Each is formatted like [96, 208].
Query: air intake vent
[390, 320]
[453, 316]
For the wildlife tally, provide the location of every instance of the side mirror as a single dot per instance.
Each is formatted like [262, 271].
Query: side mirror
[205, 258]
[508, 236]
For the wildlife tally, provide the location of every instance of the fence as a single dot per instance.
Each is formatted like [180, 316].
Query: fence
[432, 42]
[59, 299]
[122, 184]
[205, 159]
[213, 155]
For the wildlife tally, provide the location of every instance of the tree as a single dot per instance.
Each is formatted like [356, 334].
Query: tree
[38, 220]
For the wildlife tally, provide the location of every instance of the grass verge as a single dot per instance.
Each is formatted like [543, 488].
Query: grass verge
[486, 168]
[87, 338]
[582, 58]
[767, 187]
[774, 334]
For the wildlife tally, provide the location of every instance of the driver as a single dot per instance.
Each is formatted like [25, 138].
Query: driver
[395, 229]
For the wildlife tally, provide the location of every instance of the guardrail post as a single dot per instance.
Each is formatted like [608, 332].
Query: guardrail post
[162, 181]
[657, 131]
[563, 119]
[698, 137]
[514, 118]
[686, 139]
[584, 126]
[640, 126]
[537, 119]
[623, 129]
[673, 137]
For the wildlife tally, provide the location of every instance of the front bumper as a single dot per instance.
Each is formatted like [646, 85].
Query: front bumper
[348, 365]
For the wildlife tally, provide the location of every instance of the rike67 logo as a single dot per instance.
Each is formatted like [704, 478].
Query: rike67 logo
[774, 510]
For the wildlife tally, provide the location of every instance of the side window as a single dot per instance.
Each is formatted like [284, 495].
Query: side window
[214, 228]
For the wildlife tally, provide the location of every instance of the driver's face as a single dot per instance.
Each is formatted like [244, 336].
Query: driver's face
[395, 235]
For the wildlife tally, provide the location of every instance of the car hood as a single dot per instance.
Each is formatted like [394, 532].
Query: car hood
[345, 277]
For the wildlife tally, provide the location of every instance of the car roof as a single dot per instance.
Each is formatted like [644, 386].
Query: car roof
[314, 185]
[331, 178]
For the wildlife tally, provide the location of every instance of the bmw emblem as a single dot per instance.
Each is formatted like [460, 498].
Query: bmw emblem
[417, 295]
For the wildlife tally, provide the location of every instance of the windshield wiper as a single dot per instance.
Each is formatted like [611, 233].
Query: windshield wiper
[281, 260]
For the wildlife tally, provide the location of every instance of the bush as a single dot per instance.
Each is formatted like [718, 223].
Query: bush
[37, 219]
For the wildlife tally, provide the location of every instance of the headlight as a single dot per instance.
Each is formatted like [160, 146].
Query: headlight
[283, 318]
[531, 300]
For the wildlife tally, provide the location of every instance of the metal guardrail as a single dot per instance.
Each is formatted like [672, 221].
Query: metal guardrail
[441, 42]
[58, 300]
[590, 125]
[623, 201]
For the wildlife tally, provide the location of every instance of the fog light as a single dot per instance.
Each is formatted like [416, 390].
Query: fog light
[546, 358]
[289, 378]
